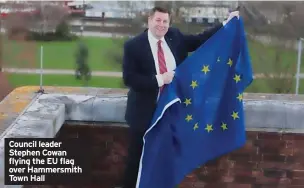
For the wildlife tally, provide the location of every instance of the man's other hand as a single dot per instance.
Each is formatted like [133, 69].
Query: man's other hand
[232, 15]
[168, 77]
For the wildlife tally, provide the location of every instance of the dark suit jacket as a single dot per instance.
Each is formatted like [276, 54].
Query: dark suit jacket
[139, 71]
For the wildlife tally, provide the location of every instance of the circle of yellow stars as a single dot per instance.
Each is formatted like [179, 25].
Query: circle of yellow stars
[235, 115]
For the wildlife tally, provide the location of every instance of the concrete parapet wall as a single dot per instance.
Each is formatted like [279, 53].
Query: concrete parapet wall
[44, 114]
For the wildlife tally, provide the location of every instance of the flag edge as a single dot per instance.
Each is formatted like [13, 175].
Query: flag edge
[143, 148]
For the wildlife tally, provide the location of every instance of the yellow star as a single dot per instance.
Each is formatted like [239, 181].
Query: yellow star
[195, 126]
[235, 115]
[240, 97]
[209, 128]
[187, 101]
[193, 84]
[188, 118]
[237, 78]
[224, 126]
[230, 62]
[218, 60]
[205, 69]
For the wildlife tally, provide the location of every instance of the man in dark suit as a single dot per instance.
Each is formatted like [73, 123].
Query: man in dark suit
[149, 62]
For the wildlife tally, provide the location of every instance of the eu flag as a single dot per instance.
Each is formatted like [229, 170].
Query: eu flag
[200, 114]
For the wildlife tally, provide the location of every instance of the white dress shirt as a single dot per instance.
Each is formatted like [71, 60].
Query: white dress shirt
[169, 58]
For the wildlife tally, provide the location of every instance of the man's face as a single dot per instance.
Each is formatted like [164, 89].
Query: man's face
[159, 24]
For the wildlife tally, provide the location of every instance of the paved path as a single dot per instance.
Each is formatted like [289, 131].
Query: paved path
[97, 73]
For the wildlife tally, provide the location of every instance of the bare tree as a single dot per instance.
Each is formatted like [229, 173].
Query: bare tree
[18, 52]
[45, 18]
[279, 19]
[17, 25]
[49, 17]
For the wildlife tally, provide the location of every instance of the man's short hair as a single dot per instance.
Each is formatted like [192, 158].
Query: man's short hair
[159, 9]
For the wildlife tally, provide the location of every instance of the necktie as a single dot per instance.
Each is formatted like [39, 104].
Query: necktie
[161, 60]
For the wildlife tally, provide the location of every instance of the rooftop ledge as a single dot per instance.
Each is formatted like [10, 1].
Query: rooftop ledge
[27, 113]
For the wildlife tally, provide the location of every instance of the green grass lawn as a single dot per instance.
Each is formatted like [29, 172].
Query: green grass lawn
[62, 80]
[258, 85]
[274, 86]
[266, 59]
[60, 55]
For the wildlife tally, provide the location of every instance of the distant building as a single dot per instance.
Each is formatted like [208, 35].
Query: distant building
[206, 12]
[118, 9]
[205, 15]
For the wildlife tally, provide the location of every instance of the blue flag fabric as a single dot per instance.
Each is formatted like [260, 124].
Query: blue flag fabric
[200, 114]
